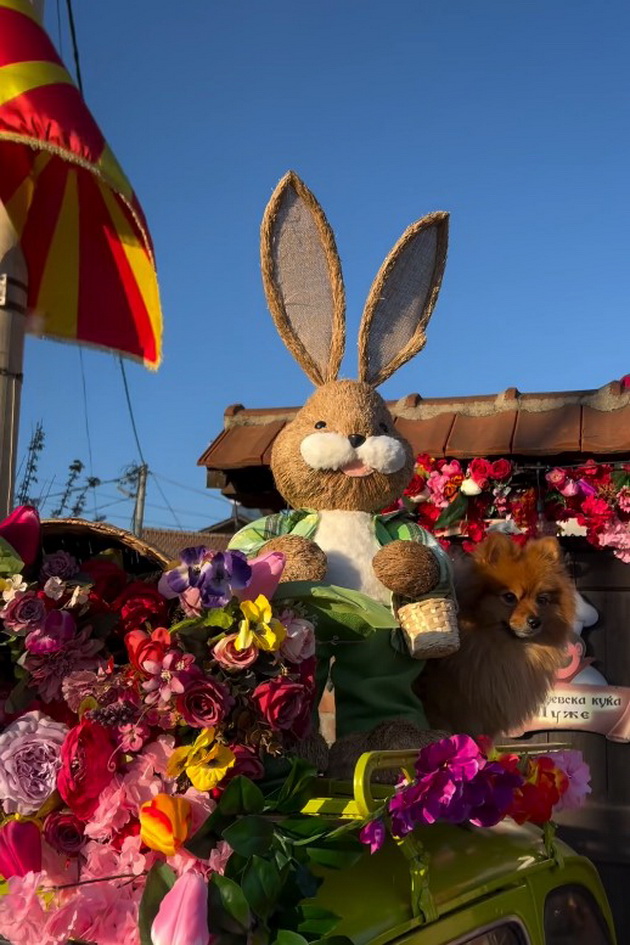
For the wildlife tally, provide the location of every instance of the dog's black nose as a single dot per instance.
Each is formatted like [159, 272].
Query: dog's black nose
[356, 440]
[534, 622]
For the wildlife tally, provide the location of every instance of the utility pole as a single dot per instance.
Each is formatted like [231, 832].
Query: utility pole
[138, 512]
[13, 289]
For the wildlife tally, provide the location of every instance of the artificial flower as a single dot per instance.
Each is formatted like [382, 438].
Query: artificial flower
[142, 646]
[29, 762]
[87, 766]
[205, 762]
[60, 564]
[204, 703]
[214, 575]
[182, 917]
[168, 676]
[231, 659]
[165, 823]
[140, 605]
[266, 571]
[470, 487]
[299, 643]
[285, 705]
[22, 531]
[259, 627]
[12, 585]
[64, 832]
[373, 835]
[57, 630]
[23, 613]
[20, 848]
[107, 579]
[578, 774]
[48, 670]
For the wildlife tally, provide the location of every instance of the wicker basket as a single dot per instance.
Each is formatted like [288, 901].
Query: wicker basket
[87, 539]
[430, 627]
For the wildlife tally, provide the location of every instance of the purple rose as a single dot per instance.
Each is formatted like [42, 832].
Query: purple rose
[64, 832]
[30, 757]
[204, 703]
[58, 629]
[24, 613]
[59, 564]
[247, 763]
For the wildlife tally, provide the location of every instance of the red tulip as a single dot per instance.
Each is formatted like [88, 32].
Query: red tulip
[182, 918]
[22, 530]
[20, 848]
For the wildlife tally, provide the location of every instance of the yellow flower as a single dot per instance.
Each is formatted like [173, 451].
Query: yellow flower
[205, 761]
[258, 626]
[165, 822]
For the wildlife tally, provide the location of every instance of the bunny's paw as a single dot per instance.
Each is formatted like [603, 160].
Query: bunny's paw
[305, 560]
[407, 568]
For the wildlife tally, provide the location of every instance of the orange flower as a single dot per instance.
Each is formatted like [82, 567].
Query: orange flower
[165, 822]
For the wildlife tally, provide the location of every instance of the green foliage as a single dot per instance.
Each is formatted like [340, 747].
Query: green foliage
[10, 561]
[160, 879]
[454, 512]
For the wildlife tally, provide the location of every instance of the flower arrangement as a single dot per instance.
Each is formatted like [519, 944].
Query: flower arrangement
[446, 496]
[149, 792]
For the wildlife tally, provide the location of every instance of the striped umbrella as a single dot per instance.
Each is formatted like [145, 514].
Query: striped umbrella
[91, 271]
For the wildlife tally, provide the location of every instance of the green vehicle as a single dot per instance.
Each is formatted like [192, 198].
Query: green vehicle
[452, 885]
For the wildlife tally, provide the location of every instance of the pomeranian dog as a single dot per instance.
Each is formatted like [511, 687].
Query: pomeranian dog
[516, 611]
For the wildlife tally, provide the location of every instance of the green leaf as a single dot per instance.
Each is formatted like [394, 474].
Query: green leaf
[20, 696]
[227, 904]
[340, 612]
[250, 835]
[336, 854]
[304, 827]
[620, 478]
[261, 884]
[241, 796]
[210, 832]
[336, 940]
[286, 937]
[454, 512]
[218, 618]
[10, 561]
[295, 790]
[316, 921]
[160, 879]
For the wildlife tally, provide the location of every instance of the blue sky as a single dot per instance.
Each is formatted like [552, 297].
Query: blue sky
[512, 116]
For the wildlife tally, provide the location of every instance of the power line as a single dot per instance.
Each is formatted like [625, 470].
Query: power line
[162, 493]
[130, 409]
[180, 485]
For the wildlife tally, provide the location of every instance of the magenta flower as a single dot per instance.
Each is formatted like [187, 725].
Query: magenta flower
[204, 703]
[22, 530]
[458, 755]
[373, 835]
[58, 629]
[20, 848]
[266, 571]
[556, 478]
[168, 676]
[182, 918]
[50, 669]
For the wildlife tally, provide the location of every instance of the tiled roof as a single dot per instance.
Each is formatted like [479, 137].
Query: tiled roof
[584, 422]
[171, 542]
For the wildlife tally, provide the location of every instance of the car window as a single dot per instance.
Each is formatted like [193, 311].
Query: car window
[572, 917]
[508, 934]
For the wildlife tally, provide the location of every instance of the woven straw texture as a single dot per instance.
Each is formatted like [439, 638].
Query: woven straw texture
[402, 299]
[430, 627]
[87, 539]
[302, 279]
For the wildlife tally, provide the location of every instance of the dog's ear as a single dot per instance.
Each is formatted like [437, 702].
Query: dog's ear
[548, 549]
[496, 545]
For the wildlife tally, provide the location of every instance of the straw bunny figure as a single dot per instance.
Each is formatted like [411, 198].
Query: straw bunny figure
[342, 459]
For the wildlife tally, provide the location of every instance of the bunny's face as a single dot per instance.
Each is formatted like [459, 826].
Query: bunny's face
[342, 451]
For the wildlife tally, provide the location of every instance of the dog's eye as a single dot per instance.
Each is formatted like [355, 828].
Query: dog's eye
[320, 424]
[543, 599]
[508, 597]
[383, 427]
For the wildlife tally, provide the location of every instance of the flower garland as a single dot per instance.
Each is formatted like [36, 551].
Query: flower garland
[148, 794]
[446, 496]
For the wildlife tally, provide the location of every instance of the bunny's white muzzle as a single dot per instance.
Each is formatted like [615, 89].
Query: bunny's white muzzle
[333, 451]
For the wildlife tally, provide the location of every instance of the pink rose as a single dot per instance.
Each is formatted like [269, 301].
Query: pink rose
[501, 469]
[556, 477]
[299, 643]
[285, 706]
[86, 767]
[227, 656]
[480, 470]
[204, 703]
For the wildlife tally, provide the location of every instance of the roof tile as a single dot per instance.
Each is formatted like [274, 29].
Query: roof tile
[548, 432]
[605, 431]
[427, 436]
[482, 436]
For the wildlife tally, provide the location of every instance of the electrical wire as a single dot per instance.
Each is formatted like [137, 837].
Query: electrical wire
[162, 493]
[130, 409]
[180, 485]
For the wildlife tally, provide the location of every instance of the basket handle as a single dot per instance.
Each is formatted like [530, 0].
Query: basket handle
[372, 761]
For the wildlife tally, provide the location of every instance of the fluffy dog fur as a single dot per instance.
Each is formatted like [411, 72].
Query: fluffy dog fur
[516, 610]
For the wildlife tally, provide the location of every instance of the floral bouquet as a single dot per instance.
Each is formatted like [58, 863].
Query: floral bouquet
[149, 789]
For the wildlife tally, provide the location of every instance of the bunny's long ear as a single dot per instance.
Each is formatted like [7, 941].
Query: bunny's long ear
[402, 299]
[302, 279]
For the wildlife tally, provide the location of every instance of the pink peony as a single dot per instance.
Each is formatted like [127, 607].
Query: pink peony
[299, 643]
[22, 914]
[50, 669]
[579, 775]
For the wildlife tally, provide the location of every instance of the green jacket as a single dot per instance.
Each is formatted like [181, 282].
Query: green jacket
[373, 679]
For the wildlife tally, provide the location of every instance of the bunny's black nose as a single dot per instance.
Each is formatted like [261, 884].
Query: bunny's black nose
[356, 440]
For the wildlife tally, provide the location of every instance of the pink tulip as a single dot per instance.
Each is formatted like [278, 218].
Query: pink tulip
[20, 848]
[266, 573]
[22, 530]
[182, 918]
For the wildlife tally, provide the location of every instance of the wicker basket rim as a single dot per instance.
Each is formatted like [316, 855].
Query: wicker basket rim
[52, 525]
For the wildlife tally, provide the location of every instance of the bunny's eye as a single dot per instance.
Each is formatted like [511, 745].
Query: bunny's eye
[383, 427]
[320, 424]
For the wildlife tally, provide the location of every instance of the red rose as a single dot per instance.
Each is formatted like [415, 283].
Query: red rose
[86, 767]
[501, 469]
[204, 703]
[285, 706]
[140, 604]
[247, 763]
[107, 578]
[480, 470]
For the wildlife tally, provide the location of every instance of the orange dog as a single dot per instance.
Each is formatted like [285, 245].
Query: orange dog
[516, 610]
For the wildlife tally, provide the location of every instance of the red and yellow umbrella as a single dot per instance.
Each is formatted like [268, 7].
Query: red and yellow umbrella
[91, 270]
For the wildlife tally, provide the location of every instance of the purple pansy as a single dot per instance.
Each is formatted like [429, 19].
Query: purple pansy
[213, 574]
